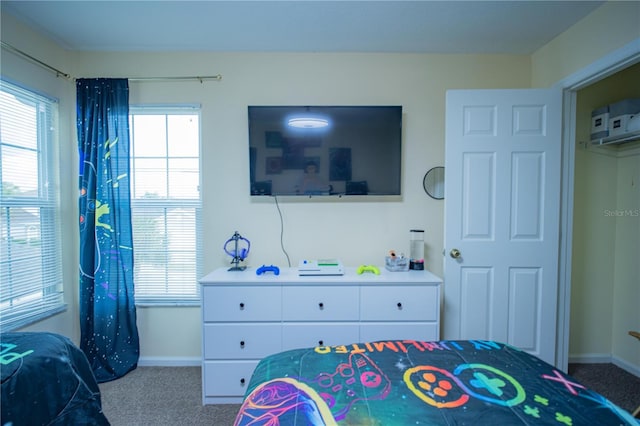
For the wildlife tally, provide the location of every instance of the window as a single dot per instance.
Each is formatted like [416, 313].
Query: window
[166, 204]
[30, 244]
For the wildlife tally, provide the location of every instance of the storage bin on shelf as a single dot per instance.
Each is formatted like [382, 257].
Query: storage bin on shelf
[396, 264]
[620, 113]
[600, 123]
[616, 123]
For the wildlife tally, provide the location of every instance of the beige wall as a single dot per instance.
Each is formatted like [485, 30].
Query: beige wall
[605, 294]
[610, 27]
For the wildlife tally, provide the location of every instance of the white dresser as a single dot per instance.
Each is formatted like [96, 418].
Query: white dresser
[247, 316]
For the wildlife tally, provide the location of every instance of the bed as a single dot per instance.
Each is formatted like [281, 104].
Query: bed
[405, 382]
[47, 380]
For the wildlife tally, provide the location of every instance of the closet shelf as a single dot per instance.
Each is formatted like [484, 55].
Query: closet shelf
[611, 140]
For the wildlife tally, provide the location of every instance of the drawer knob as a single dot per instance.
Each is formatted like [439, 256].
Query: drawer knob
[242, 381]
[241, 305]
[399, 305]
[242, 343]
[321, 305]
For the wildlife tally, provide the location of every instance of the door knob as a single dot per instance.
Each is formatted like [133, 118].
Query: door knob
[455, 253]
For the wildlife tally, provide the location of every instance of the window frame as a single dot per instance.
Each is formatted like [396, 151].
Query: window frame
[46, 296]
[169, 299]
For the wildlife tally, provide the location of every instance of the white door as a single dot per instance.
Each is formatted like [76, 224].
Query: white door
[502, 212]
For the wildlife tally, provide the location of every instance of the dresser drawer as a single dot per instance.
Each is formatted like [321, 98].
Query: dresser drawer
[229, 378]
[234, 304]
[241, 341]
[304, 335]
[399, 303]
[320, 303]
[420, 331]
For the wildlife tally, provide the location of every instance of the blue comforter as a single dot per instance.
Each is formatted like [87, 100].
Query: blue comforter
[47, 380]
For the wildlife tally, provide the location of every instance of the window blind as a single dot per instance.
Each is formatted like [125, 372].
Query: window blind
[166, 204]
[31, 286]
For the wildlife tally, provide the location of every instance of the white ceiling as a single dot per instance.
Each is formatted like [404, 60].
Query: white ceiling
[422, 26]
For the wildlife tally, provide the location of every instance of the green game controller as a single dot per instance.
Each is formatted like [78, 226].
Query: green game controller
[370, 268]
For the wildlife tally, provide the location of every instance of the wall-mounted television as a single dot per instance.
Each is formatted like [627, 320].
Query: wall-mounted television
[325, 150]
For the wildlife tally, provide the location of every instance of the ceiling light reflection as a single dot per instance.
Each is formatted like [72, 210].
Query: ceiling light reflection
[308, 122]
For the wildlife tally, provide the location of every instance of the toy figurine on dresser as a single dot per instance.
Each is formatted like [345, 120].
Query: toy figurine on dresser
[237, 252]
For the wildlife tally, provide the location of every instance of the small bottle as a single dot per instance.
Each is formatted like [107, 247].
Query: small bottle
[416, 261]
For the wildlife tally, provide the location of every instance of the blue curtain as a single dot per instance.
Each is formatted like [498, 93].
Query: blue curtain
[108, 331]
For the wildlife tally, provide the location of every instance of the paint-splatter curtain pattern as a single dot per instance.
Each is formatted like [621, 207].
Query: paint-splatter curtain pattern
[109, 335]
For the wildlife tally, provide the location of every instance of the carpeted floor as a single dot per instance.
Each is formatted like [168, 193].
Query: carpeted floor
[617, 385]
[162, 396]
[159, 396]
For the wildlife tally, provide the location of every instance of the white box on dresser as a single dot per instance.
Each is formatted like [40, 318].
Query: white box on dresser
[246, 317]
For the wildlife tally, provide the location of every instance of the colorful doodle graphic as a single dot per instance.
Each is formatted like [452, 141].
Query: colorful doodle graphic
[557, 376]
[7, 357]
[489, 386]
[434, 386]
[359, 379]
[277, 402]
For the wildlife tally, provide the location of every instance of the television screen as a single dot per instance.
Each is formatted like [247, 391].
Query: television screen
[325, 150]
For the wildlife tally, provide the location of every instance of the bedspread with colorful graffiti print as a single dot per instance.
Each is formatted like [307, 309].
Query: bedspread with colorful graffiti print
[405, 382]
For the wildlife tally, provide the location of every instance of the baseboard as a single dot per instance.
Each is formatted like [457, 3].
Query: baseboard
[626, 366]
[169, 362]
[590, 359]
[605, 359]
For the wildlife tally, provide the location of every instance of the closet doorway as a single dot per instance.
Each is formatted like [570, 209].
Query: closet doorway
[600, 227]
[606, 231]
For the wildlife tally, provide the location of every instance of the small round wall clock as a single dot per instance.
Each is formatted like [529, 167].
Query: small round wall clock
[433, 183]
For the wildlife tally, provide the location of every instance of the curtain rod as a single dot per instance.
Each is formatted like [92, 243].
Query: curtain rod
[28, 57]
[201, 79]
[59, 73]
